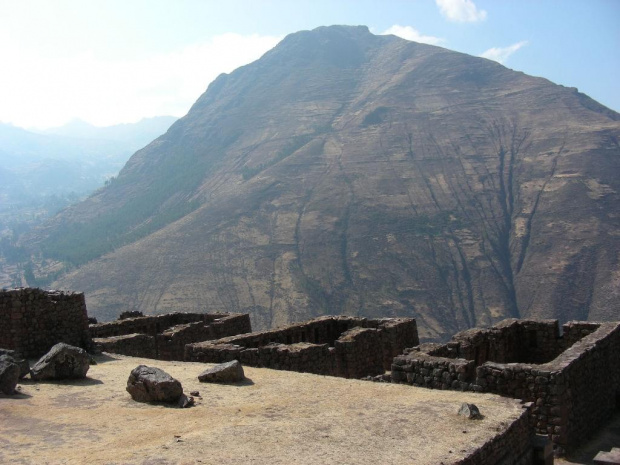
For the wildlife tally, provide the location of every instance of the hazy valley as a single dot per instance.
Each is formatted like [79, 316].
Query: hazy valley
[42, 172]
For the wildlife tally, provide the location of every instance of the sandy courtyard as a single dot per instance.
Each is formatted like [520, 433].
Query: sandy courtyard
[277, 417]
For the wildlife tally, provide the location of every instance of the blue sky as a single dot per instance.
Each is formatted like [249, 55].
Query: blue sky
[114, 61]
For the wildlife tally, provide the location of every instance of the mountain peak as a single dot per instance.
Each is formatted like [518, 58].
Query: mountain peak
[336, 45]
[354, 31]
[333, 32]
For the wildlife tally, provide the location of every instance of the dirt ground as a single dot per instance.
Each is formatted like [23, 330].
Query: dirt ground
[276, 417]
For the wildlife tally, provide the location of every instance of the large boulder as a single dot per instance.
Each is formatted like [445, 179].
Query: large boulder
[24, 367]
[63, 361]
[150, 384]
[9, 374]
[229, 372]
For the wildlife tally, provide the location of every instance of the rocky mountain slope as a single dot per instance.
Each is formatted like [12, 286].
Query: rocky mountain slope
[350, 173]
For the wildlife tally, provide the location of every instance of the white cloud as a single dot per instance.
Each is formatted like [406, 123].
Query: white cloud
[44, 90]
[501, 54]
[461, 11]
[409, 33]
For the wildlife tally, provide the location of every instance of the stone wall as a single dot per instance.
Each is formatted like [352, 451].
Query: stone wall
[134, 345]
[33, 320]
[164, 337]
[151, 325]
[338, 346]
[571, 395]
[512, 340]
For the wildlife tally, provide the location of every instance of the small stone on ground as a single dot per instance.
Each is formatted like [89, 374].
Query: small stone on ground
[229, 372]
[469, 411]
[185, 401]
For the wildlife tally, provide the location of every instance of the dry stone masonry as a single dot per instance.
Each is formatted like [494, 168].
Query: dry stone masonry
[572, 380]
[33, 320]
[164, 337]
[332, 345]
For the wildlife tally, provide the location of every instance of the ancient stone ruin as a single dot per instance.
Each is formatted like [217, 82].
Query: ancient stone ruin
[342, 346]
[571, 380]
[164, 337]
[33, 320]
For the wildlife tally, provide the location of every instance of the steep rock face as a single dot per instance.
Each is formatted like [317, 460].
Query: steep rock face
[347, 173]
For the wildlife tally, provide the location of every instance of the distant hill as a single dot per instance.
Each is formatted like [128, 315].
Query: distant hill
[76, 158]
[137, 134]
[349, 173]
[42, 173]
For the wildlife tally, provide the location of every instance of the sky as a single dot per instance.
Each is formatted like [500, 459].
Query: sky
[118, 61]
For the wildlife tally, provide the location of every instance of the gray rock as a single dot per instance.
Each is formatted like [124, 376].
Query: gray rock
[185, 401]
[469, 411]
[24, 367]
[9, 374]
[63, 361]
[150, 384]
[229, 372]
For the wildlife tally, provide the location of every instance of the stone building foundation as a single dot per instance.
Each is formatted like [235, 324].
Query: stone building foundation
[332, 345]
[164, 337]
[571, 382]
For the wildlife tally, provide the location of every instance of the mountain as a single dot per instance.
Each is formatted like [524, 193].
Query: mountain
[349, 173]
